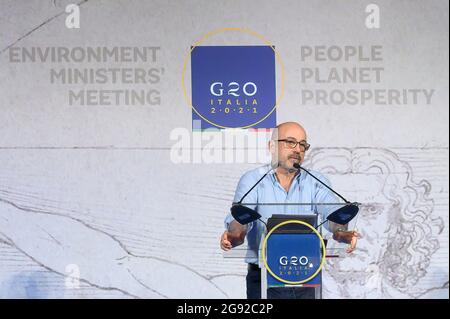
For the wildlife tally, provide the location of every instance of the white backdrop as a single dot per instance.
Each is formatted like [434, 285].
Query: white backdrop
[92, 192]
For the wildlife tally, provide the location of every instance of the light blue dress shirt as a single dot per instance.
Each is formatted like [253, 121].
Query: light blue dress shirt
[304, 189]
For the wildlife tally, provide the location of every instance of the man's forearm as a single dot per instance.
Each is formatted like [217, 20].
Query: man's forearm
[333, 227]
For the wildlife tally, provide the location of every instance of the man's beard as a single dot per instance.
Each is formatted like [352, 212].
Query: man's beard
[287, 164]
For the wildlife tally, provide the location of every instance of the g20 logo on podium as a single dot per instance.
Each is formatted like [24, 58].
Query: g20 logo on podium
[294, 259]
[233, 86]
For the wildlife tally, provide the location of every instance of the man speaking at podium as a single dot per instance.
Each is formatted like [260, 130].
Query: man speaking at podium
[284, 184]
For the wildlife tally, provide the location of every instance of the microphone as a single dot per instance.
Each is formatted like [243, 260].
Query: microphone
[245, 215]
[344, 214]
[271, 169]
[298, 167]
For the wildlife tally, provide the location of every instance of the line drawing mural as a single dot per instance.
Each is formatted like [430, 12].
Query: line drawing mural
[398, 224]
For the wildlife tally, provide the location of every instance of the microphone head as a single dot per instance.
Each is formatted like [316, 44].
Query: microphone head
[344, 215]
[243, 214]
[296, 166]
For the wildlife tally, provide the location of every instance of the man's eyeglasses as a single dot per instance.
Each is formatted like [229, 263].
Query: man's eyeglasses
[304, 146]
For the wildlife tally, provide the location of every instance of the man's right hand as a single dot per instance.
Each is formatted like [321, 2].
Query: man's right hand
[232, 239]
[234, 236]
[225, 242]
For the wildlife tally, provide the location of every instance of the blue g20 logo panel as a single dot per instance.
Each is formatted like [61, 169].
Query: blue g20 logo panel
[293, 257]
[233, 86]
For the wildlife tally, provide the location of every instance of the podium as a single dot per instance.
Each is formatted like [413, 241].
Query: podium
[292, 251]
[291, 254]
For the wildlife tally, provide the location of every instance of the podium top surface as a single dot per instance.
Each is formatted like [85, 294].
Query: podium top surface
[277, 219]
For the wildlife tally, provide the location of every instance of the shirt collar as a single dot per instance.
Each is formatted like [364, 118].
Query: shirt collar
[274, 178]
